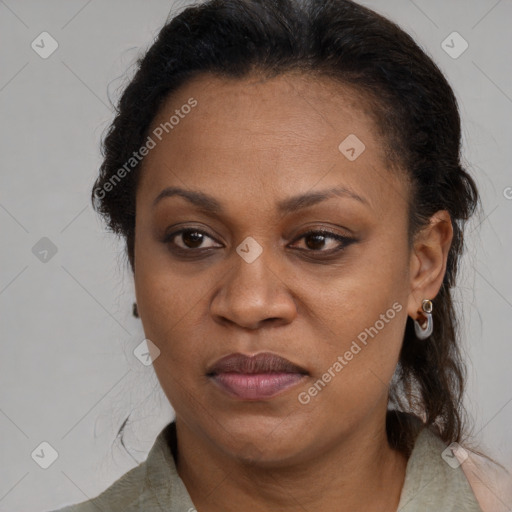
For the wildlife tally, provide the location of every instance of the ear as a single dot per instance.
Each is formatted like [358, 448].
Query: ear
[427, 264]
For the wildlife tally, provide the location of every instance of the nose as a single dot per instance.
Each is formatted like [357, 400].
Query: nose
[252, 294]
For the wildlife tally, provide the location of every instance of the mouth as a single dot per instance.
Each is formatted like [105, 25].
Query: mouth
[256, 377]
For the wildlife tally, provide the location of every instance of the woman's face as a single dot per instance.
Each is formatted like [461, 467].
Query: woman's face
[261, 160]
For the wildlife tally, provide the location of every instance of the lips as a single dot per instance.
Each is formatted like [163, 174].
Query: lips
[255, 377]
[260, 363]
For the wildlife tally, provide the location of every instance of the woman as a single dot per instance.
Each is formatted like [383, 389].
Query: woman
[286, 175]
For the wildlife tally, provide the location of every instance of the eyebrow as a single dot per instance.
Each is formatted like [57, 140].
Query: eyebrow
[211, 205]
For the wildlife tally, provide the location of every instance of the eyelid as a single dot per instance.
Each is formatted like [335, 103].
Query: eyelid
[344, 240]
[172, 234]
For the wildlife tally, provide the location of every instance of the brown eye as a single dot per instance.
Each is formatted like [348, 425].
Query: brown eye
[192, 239]
[188, 239]
[317, 241]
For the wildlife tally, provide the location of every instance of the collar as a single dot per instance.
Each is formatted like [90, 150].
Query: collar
[163, 482]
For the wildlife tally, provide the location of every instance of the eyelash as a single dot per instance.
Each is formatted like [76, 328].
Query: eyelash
[345, 241]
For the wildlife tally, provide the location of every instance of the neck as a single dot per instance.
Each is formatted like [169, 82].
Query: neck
[358, 472]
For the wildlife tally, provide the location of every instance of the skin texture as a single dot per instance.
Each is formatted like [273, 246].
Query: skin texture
[250, 144]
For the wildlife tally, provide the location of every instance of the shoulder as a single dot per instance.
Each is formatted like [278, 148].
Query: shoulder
[453, 478]
[123, 495]
[491, 483]
[152, 486]
[434, 479]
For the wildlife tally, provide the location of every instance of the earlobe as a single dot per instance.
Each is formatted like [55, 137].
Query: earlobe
[428, 261]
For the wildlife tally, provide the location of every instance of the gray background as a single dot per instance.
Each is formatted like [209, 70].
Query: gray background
[68, 375]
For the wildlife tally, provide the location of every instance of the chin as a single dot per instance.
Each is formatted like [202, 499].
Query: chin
[262, 440]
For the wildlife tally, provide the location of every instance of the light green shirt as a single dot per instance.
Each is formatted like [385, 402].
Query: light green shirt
[431, 484]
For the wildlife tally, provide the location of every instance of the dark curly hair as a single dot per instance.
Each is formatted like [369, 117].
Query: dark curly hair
[414, 109]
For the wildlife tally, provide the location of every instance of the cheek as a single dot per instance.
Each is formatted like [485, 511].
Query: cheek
[365, 339]
[168, 301]
[355, 368]
[363, 315]
[169, 306]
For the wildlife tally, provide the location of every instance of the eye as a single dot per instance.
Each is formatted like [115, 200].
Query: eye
[190, 239]
[317, 240]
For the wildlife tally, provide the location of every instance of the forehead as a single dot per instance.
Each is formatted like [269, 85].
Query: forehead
[273, 137]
